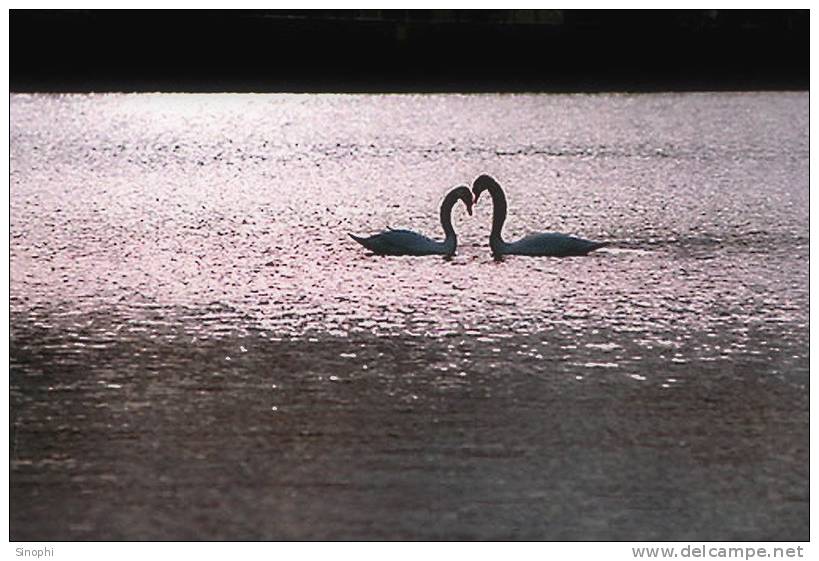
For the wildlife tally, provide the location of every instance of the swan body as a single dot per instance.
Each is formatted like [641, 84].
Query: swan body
[546, 244]
[406, 242]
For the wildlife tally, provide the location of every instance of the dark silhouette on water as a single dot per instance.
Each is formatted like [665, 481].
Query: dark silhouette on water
[405, 242]
[547, 244]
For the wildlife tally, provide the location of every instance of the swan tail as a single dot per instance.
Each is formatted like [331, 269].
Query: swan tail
[597, 245]
[363, 241]
[376, 244]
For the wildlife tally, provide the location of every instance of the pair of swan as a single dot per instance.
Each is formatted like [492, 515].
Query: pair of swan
[405, 242]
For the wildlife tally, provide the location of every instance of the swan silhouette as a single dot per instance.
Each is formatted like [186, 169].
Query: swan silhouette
[541, 244]
[405, 242]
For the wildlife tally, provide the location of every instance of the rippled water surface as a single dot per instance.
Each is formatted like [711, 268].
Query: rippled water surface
[198, 350]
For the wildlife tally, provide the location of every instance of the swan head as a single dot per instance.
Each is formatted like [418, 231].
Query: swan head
[483, 183]
[465, 195]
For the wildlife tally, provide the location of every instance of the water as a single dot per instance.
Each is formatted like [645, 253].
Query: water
[198, 350]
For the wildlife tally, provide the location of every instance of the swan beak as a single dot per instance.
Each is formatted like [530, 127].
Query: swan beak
[467, 201]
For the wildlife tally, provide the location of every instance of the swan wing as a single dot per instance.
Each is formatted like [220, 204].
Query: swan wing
[553, 244]
[400, 242]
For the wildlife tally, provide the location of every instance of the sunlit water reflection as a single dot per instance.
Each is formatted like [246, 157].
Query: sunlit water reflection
[199, 351]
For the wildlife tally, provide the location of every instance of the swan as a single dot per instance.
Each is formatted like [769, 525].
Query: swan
[542, 244]
[405, 242]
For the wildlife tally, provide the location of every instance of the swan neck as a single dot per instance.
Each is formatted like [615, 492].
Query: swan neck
[498, 213]
[446, 217]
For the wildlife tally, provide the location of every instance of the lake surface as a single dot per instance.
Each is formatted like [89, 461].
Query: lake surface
[199, 350]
